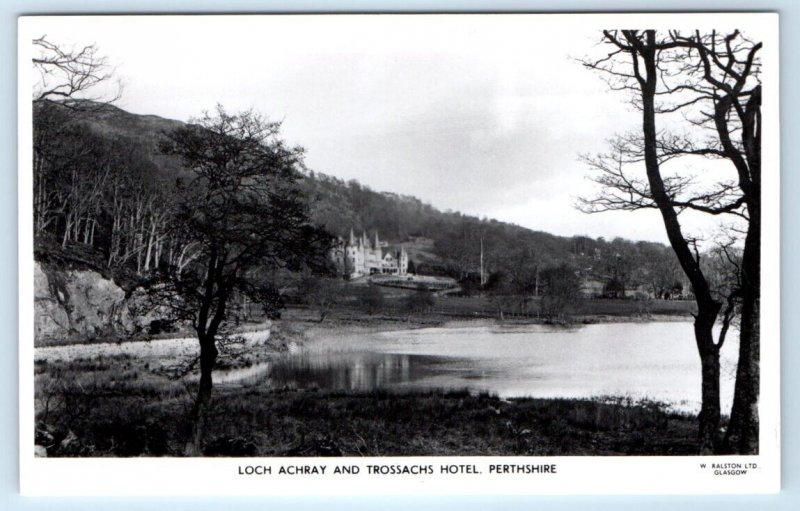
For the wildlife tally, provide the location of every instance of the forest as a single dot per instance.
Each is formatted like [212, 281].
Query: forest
[105, 191]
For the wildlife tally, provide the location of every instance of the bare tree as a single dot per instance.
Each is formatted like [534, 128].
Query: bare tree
[660, 270]
[561, 293]
[711, 82]
[73, 75]
[140, 215]
[73, 78]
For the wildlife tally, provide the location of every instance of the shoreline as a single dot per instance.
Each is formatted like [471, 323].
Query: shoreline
[392, 320]
[373, 324]
[134, 404]
[263, 346]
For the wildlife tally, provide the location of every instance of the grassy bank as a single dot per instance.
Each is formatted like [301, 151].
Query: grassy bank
[115, 407]
[113, 403]
[588, 307]
[392, 316]
[458, 309]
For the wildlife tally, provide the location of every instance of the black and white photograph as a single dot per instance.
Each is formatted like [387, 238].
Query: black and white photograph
[484, 252]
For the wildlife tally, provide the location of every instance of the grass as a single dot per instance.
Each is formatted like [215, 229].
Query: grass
[585, 310]
[124, 405]
[452, 308]
[115, 407]
[586, 307]
[446, 308]
[618, 307]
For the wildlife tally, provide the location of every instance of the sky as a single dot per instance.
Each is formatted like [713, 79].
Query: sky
[487, 115]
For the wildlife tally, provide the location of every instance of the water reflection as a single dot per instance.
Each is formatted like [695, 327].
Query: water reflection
[638, 360]
[342, 371]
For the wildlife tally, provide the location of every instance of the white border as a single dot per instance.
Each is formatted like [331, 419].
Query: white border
[575, 475]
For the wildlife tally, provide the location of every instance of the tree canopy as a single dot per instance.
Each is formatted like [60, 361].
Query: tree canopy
[240, 211]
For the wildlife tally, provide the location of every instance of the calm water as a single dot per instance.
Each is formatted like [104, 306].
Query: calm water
[639, 360]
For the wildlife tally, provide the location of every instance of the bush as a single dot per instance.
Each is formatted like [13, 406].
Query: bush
[561, 292]
[370, 299]
[419, 301]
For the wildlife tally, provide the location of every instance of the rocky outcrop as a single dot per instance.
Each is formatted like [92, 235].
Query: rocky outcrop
[73, 304]
[50, 311]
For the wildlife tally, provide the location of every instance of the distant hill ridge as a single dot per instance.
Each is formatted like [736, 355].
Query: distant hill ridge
[448, 242]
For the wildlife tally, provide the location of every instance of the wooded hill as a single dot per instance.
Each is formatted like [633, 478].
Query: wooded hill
[103, 189]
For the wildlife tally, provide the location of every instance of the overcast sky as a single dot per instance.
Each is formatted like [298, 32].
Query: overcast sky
[486, 115]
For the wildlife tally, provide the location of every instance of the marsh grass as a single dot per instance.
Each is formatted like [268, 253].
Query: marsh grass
[114, 407]
[124, 405]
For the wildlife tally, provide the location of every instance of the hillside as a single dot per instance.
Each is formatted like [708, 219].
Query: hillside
[438, 242]
[432, 237]
[447, 243]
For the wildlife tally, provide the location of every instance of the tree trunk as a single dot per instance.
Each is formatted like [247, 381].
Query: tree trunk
[157, 256]
[67, 231]
[208, 357]
[742, 434]
[709, 362]
[170, 252]
[707, 306]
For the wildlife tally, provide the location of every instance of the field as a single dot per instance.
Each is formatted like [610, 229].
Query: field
[480, 305]
[449, 306]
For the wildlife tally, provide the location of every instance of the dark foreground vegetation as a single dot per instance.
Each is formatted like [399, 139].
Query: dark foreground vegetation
[120, 409]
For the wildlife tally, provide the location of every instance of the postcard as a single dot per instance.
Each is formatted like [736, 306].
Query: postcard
[399, 254]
